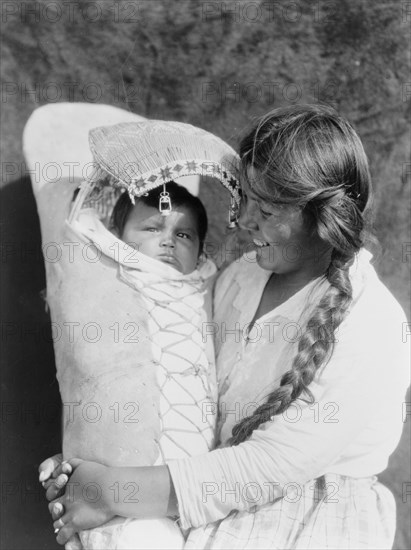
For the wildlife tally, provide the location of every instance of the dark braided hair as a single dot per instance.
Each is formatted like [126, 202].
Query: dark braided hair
[307, 155]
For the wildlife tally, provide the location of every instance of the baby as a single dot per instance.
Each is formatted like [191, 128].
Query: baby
[175, 239]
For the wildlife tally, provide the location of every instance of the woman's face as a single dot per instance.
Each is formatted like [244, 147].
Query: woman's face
[283, 240]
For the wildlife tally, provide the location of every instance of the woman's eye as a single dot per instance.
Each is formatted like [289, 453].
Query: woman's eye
[151, 229]
[265, 214]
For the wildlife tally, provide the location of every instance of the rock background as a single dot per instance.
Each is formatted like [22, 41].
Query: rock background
[216, 65]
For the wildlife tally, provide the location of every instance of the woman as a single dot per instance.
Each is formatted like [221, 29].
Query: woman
[311, 366]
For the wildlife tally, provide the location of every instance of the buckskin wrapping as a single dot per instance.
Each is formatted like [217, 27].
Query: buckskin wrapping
[104, 420]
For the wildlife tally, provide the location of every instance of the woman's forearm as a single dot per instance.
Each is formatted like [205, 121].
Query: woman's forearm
[140, 492]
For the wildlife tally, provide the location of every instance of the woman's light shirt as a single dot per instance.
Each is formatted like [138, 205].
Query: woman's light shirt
[352, 427]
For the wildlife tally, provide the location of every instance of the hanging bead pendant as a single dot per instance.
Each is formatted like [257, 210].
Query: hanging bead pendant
[165, 202]
[233, 214]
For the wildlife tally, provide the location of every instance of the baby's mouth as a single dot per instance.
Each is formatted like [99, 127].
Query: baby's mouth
[168, 259]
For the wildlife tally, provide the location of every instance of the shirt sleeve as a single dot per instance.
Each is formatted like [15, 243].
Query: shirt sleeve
[367, 374]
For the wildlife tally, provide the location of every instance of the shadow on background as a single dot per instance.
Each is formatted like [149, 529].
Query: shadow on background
[30, 424]
[30, 399]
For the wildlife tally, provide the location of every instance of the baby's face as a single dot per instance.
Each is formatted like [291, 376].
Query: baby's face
[171, 239]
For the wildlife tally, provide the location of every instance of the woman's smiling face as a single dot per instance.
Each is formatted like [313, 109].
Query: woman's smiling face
[171, 239]
[283, 239]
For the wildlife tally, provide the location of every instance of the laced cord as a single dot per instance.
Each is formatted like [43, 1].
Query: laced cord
[183, 370]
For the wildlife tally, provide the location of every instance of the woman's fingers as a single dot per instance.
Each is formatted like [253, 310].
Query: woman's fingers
[64, 534]
[66, 468]
[63, 468]
[48, 466]
[57, 487]
[73, 463]
[56, 480]
[63, 529]
[56, 509]
[52, 468]
[59, 523]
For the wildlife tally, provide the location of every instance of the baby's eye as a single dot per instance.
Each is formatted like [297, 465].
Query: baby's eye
[184, 235]
[151, 229]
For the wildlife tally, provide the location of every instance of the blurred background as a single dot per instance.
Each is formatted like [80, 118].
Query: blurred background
[216, 65]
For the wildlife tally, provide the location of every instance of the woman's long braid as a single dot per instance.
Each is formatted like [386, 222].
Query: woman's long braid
[336, 193]
[314, 348]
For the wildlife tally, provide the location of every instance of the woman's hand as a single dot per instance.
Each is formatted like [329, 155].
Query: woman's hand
[86, 502]
[49, 466]
[96, 493]
[53, 475]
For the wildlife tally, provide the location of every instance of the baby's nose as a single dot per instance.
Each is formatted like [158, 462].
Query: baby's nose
[167, 239]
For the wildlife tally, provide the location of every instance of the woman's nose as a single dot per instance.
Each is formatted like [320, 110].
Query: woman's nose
[247, 219]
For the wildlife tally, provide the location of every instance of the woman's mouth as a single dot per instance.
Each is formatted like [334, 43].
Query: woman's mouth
[260, 244]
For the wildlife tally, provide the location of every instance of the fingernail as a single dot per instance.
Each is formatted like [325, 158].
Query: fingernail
[62, 479]
[42, 476]
[66, 468]
[56, 530]
[58, 507]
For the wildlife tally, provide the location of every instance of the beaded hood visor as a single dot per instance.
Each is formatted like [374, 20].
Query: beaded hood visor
[139, 156]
